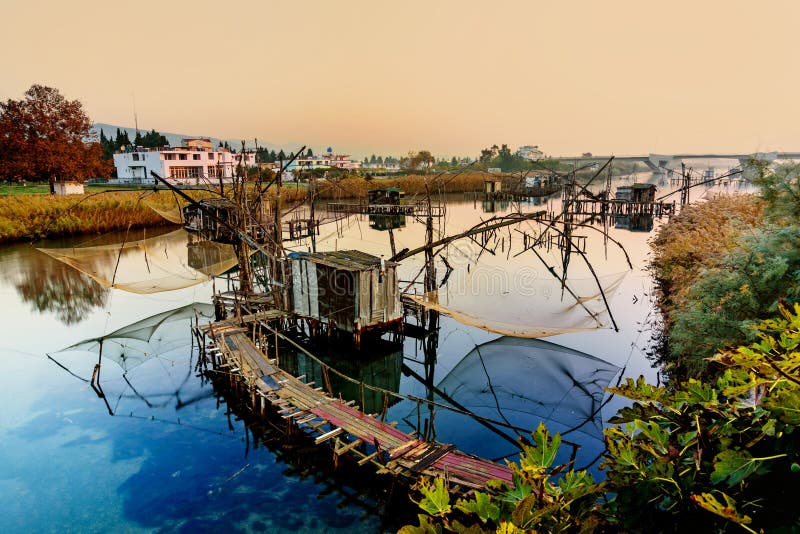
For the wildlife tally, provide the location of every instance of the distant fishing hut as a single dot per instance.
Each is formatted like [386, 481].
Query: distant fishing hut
[637, 193]
[392, 196]
[203, 218]
[215, 219]
[347, 291]
[492, 186]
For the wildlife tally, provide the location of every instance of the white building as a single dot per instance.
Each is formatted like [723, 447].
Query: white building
[66, 188]
[194, 163]
[325, 161]
[530, 152]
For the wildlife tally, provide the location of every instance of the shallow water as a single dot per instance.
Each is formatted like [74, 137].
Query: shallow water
[172, 458]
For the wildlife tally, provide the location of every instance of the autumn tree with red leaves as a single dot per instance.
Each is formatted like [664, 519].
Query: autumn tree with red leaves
[46, 137]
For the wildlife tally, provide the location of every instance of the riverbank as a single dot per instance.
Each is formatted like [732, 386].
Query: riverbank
[42, 216]
[690, 264]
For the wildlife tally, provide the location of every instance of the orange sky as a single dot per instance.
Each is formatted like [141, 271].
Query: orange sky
[623, 77]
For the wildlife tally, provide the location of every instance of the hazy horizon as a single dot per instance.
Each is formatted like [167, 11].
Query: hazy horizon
[449, 77]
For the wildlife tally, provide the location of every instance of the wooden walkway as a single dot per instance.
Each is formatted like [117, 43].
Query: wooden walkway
[419, 209]
[621, 207]
[231, 349]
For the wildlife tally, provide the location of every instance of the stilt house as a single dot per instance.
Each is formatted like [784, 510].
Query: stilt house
[349, 290]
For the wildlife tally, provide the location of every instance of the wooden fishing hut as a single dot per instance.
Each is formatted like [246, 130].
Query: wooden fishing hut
[492, 186]
[637, 193]
[202, 218]
[390, 195]
[348, 291]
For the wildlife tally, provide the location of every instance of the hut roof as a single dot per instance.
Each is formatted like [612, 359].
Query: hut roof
[348, 260]
[387, 189]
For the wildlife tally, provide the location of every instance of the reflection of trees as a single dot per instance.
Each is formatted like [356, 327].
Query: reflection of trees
[52, 286]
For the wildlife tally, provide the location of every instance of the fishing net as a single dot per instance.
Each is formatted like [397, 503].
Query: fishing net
[173, 213]
[524, 305]
[163, 263]
[520, 382]
[155, 336]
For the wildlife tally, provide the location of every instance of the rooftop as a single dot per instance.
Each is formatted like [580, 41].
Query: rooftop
[348, 260]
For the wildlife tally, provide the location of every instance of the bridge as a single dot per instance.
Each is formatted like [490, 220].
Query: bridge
[668, 162]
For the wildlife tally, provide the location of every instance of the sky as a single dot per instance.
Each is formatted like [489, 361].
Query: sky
[619, 77]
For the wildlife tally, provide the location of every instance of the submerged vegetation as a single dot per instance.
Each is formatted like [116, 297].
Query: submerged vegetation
[718, 445]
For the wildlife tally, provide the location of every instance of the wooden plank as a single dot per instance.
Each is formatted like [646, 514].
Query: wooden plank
[428, 459]
[328, 435]
[367, 458]
[350, 446]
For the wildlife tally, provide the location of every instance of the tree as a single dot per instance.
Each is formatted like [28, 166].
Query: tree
[43, 138]
[423, 158]
[309, 153]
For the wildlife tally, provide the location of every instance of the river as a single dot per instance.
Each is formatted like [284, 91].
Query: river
[173, 457]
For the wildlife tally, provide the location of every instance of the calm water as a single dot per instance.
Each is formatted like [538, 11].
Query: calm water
[172, 457]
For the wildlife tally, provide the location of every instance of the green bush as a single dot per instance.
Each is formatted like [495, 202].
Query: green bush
[722, 455]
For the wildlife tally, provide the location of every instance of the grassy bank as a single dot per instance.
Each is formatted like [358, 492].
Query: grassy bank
[38, 216]
[25, 217]
[725, 265]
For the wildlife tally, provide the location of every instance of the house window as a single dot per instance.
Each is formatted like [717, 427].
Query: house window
[136, 157]
[210, 155]
[195, 156]
[169, 156]
[186, 172]
[182, 156]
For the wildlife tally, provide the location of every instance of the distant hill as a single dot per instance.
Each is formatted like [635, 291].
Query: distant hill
[175, 139]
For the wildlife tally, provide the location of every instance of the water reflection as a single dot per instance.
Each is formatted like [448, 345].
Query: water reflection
[518, 382]
[387, 222]
[53, 287]
[639, 222]
[379, 368]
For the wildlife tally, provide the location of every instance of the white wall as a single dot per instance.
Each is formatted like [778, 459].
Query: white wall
[135, 167]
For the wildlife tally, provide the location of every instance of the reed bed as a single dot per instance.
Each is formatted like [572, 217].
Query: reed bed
[413, 184]
[39, 216]
[695, 239]
[25, 217]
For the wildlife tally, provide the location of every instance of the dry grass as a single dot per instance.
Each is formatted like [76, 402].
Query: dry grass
[694, 240]
[25, 217]
[357, 187]
[38, 216]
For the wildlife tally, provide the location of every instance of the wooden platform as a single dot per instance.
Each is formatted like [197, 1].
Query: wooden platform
[233, 351]
[621, 207]
[419, 209]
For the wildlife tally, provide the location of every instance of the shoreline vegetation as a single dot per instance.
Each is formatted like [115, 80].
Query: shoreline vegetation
[25, 216]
